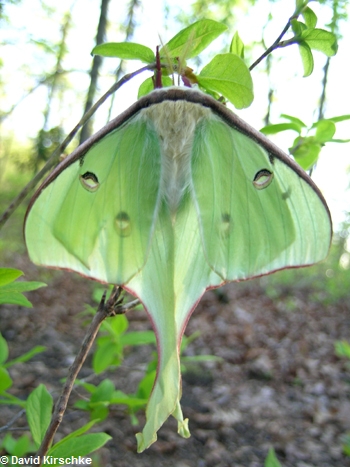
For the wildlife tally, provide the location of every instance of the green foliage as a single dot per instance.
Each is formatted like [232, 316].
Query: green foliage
[237, 46]
[125, 51]
[309, 38]
[306, 149]
[192, 40]
[11, 291]
[346, 445]
[105, 394]
[342, 349]
[79, 444]
[271, 459]
[17, 447]
[112, 341]
[45, 143]
[226, 74]
[38, 409]
[5, 378]
[39, 403]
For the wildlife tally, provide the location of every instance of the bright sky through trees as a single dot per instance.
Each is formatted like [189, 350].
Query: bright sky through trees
[24, 63]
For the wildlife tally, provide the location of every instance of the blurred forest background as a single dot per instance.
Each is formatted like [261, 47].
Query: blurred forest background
[283, 380]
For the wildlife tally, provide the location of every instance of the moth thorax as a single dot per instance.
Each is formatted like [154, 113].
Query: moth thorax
[175, 122]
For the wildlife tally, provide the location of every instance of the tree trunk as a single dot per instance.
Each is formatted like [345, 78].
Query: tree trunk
[96, 64]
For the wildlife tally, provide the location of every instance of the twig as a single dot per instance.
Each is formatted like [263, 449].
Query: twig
[39, 83]
[272, 47]
[12, 421]
[278, 42]
[55, 155]
[105, 309]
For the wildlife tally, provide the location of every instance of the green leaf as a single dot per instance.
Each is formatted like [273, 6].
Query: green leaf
[192, 40]
[4, 350]
[8, 275]
[98, 411]
[131, 401]
[148, 85]
[228, 75]
[5, 380]
[325, 130]
[145, 88]
[237, 46]
[336, 140]
[278, 127]
[39, 409]
[104, 391]
[118, 324]
[146, 384]
[306, 57]
[346, 445]
[17, 447]
[125, 51]
[104, 356]
[321, 40]
[12, 293]
[297, 27]
[138, 338]
[342, 348]
[306, 151]
[80, 431]
[79, 446]
[9, 399]
[309, 17]
[22, 446]
[27, 356]
[340, 118]
[294, 119]
[271, 459]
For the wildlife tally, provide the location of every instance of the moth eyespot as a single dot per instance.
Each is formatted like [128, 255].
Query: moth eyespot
[89, 181]
[262, 179]
[226, 224]
[122, 224]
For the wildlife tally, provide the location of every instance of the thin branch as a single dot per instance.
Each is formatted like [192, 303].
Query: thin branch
[41, 81]
[274, 46]
[59, 150]
[8, 425]
[105, 309]
[86, 131]
[278, 42]
[324, 87]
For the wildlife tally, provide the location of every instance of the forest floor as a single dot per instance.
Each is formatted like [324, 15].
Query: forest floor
[279, 382]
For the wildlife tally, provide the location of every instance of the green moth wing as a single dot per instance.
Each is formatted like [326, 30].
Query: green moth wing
[90, 218]
[278, 205]
[175, 196]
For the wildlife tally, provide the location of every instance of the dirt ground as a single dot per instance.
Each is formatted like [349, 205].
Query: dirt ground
[279, 382]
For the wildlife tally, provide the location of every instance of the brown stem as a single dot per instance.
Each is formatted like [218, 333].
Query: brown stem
[12, 421]
[278, 42]
[55, 155]
[112, 307]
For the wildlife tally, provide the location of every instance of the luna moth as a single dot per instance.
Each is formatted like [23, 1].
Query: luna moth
[173, 197]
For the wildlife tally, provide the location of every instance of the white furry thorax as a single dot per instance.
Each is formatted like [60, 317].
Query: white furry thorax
[175, 123]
